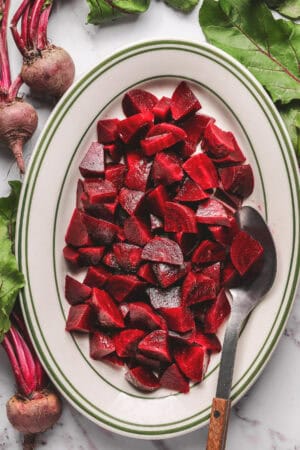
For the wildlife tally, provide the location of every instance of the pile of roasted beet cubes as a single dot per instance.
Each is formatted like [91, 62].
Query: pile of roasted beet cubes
[154, 224]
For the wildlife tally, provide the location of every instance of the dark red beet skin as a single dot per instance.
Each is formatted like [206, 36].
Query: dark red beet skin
[155, 230]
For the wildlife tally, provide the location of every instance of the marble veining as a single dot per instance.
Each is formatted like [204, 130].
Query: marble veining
[267, 418]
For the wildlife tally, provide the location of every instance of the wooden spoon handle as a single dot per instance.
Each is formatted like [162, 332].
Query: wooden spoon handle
[218, 424]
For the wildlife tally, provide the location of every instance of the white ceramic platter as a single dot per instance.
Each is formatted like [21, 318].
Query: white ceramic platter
[228, 92]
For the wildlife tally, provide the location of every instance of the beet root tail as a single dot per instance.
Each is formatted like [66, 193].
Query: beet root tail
[29, 442]
[17, 149]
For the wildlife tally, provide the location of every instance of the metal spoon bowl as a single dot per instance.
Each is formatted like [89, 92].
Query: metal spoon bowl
[244, 299]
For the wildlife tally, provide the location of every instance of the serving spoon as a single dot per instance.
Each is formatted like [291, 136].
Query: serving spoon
[244, 299]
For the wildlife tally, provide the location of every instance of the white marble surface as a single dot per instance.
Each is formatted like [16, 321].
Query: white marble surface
[267, 418]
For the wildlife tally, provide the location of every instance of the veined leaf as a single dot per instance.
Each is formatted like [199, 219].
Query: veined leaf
[288, 8]
[9, 207]
[182, 5]
[130, 6]
[270, 48]
[101, 12]
[291, 116]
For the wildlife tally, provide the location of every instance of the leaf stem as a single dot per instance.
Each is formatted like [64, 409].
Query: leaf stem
[42, 40]
[5, 69]
[34, 22]
[14, 23]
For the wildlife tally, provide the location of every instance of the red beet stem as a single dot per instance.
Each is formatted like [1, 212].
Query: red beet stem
[23, 388]
[5, 69]
[42, 40]
[14, 88]
[24, 25]
[14, 23]
[36, 12]
[25, 358]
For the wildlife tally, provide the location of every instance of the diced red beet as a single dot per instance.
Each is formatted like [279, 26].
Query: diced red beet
[146, 273]
[96, 277]
[173, 379]
[217, 142]
[155, 345]
[132, 126]
[77, 234]
[230, 201]
[114, 151]
[130, 200]
[166, 169]
[190, 192]
[162, 136]
[124, 309]
[71, 255]
[179, 338]
[108, 314]
[167, 274]
[138, 173]
[195, 126]
[238, 179]
[92, 164]
[99, 191]
[156, 223]
[105, 211]
[179, 218]
[107, 130]
[138, 101]
[128, 256]
[245, 251]
[149, 362]
[187, 242]
[183, 102]
[122, 286]
[209, 342]
[213, 271]
[115, 173]
[209, 252]
[100, 230]
[163, 250]
[90, 256]
[156, 200]
[212, 212]
[217, 313]
[162, 109]
[234, 157]
[76, 292]
[142, 316]
[79, 192]
[113, 360]
[79, 318]
[202, 170]
[136, 232]
[110, 260]
[126, 342]
[142, 379]
[178, 319]
[165, 298]
[100, 345]
[192, 360]
[198, 288]
[229, 275]
[222, 235]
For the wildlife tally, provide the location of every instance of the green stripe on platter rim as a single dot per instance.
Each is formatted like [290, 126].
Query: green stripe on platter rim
[63, 184]
[55, 115]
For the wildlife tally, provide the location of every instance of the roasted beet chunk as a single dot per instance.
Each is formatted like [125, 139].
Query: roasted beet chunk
[138, 173]
[156, 200]
[190, 192]
[162, 109]
[130, 200]
[138, 101]
[192, 361]
[108, 314]
[209, 342]
[212, 212]
[90, 256]
[142, 379]
[92, 164]
[202, 171]
[126, 342]
[166, 169]
[165, 298]
[245, 251]
[173, 379]
[101, 231]
[178, 319]
[217, 313]
[75, 291]
[79, 318]
[132, 126]
[155, 345]
[115, 173]
[183, 102]
[163, 250]
[209, 252]
[71, 255]
[96, 276]
[136, 231]
[107, 130]
[238, 180]
[121, 286]
[161, 137]
[77, 234]
[198, 288]
[99, 191]
[179, 218]
[194, 127]
[167, 274]
[142, 316]
[127, 256]
[100, 345]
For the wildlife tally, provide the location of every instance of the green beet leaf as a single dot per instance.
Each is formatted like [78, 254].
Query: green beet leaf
[270, 48]
[182, 5]
[11, 280]
[130, 6]
[288, 8]
[291, 116]
[101, 12]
